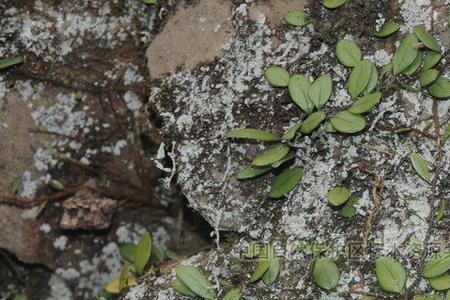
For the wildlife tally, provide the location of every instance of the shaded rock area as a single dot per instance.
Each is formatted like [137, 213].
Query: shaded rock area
[198, 106]
[69, 113]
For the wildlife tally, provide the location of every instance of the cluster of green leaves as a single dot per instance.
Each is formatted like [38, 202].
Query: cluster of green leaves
[341, 197]
[309, 96]
[138, 255]
[420, 49]
[392, 275]
[191, 282]
[268, 264]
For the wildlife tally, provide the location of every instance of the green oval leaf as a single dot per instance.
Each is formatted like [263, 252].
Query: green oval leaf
[430, 59]
[411, 69]
[365, 103]
[426, 38]
[405, 54]
[440, 283]
[128, 251]
[277, 76]
[312, 122]
[320, 90]
[349, 209]
[271, 155]
[329, 128]
[288, 157]
[298, 18]
[421, 166]
[285, 182]
[261, 268]
[441, 211]
[446, 133]
[252, 172]
[437, 265]
[347, 122]
[181, 288]
[387, 29]
[290, 133]
[428, 77]
[391, 274]
[299, 86]
[143, 251]
[56, 185]
[255, 134]
[359, 78]
[373, 80]
[195, 281]
[332, 4]
[234, 294]
[440, 88]
[326, 273]
[271, 274]
[338, 195]
[348, 53]
[10, 61]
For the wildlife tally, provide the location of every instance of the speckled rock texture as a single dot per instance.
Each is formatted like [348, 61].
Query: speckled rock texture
[198, 107]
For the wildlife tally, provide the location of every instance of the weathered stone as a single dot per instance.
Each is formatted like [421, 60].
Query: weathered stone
[194, 34]
[87, 213]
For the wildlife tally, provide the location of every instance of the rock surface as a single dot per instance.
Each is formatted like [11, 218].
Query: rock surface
[199, 106]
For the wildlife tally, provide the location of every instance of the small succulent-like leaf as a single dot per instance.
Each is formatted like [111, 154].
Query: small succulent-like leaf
[261, 268]
[440, 283]
[252, 172]
[430, 59]
[181, 288]
[437, 264]
[365, 103]
[405, 53]
[441, 211]
[347, 122]
[373, 80]
[124, 274]
[329, 128]
[446, 133]
[338, 195]
[426, 38]
[349, 209]
[332, 4]
[320, 90]
[412, 68]
[298, 90]
[359, 78]
[312, 122]
[56, 185]
[348, 53]
[271, 274]
[326, 273]
[391, 274]
[290, 133]
[440, 88]
[271, 155]
[285, 182]
[298, 18]
[143, 251]
[150, 1]
[195, 281]
[288, 157]
[387, 29]
[277, 76]
[11, 61]
[113, 286]
[420, 166]
[428, 77]
[234, 294]
[20, 297]
[255, 134]
[128, 251]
